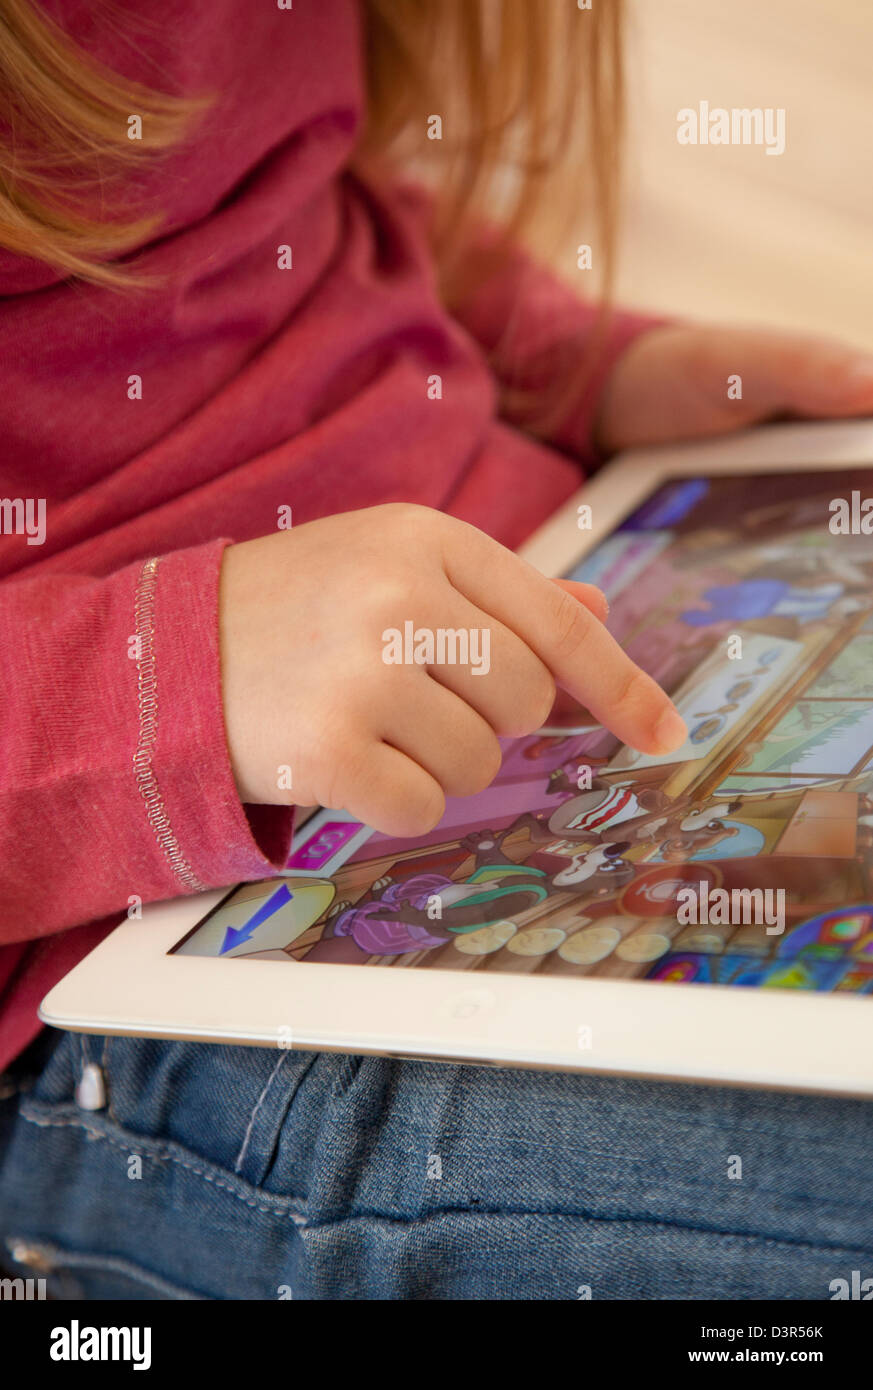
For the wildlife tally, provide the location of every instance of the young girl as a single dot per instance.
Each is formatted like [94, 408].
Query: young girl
[221, 310]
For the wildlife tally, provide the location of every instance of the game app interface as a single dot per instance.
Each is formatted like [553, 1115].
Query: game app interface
[742, 859]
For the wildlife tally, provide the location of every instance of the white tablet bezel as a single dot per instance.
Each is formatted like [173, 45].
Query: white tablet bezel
[780, 1039]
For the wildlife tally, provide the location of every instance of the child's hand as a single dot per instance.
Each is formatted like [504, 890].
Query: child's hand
[305, 686]
[672, 383]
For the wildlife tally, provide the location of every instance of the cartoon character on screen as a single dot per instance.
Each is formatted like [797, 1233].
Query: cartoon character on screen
[593, 873]
[641, 815]
[592, 814]
[426, 910]
[693, 832]
[597, 872]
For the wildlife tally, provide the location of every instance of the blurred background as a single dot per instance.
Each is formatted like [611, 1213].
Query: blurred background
[729, 231]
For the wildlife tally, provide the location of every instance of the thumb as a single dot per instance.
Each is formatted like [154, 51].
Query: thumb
[793, 374]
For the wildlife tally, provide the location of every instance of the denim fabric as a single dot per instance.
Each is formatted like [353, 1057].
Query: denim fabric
[268, 1174]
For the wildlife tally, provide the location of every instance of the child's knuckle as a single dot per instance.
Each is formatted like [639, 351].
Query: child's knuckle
[634, 689]
[571, 624]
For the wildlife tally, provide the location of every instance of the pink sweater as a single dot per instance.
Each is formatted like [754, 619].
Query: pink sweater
[261, 388]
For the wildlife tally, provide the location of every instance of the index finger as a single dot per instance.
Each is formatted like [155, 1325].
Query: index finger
[581, 655]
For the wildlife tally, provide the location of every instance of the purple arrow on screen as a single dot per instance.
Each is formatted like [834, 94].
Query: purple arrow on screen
[235, 936]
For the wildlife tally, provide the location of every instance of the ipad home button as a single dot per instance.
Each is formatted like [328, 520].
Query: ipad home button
[470, 1003]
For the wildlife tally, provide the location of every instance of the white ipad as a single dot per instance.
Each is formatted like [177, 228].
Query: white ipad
[704, 916]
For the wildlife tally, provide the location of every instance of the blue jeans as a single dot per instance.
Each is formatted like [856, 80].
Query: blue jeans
[244, 1173]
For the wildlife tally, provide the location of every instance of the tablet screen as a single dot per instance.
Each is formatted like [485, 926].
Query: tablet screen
[742, 859]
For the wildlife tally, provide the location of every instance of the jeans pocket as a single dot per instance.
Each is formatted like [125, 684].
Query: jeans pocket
[225, 1104]
[287, 1127]
[47, 1270]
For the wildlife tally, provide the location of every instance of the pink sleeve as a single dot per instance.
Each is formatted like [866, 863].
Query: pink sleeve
[115, 778]
[536, 332]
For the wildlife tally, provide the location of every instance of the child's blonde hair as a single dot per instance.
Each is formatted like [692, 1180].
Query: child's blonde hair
[528, 93]
[63, 146]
